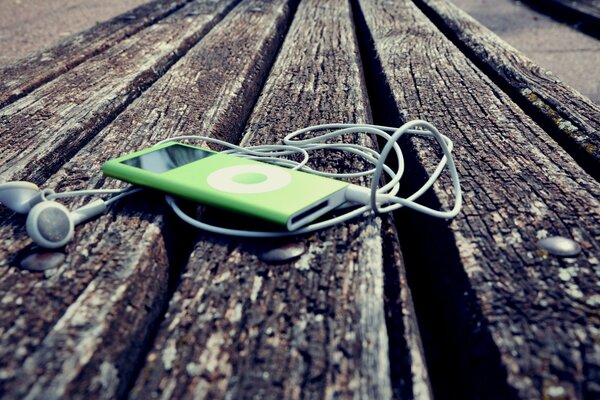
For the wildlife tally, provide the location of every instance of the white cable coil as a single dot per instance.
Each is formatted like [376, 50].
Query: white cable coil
[375, 200]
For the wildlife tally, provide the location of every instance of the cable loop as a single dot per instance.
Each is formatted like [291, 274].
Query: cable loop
[381, 199]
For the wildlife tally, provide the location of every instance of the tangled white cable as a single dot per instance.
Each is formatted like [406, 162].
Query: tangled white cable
[374, 200]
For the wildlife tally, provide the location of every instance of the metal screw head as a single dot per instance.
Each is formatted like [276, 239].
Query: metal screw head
[41, 261]
[283, 253]
[560, 246]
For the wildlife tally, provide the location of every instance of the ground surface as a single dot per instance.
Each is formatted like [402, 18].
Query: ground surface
[29, 25]
[571, 55]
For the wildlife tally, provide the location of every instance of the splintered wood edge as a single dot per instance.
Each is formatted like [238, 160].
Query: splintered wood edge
[310, 327]
[28, 73]
[529, 313]
[100, 304]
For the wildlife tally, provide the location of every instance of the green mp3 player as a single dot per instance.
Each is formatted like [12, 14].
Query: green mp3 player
[286, 197]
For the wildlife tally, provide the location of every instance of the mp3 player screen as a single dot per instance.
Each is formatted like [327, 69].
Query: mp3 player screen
[168, 158]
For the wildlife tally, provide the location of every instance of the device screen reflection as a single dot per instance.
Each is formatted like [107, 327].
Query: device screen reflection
[167, 158]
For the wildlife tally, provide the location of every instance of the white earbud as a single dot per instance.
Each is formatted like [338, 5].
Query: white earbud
[51, 225]
[20, 196]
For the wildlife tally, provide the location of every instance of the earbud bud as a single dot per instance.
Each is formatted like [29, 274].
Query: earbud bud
[51, 225]
[20, 196]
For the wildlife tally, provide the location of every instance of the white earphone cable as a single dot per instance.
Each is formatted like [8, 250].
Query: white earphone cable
[373, 200]
[381, 200]
[49, 194]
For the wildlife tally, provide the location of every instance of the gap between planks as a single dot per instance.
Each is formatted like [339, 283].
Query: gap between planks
[486, 296]
[126, 250]
[313, 327]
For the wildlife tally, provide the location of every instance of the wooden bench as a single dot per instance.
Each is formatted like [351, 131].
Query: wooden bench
[140, 305]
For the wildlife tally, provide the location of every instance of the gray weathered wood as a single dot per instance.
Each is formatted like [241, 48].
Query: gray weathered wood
[42, 130]
[506, 319]
[312, 327]
[26, 74]
[76, 331]
[500, 317]
[570, 117]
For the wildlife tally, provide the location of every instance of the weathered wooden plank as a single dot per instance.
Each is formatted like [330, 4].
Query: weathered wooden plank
[42, 130]
[309, 328]
[77, 330]
[28, 73]
[572, 119]
[508, 319]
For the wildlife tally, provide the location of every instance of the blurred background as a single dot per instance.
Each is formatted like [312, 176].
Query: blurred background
[29, 25]
[561, 47]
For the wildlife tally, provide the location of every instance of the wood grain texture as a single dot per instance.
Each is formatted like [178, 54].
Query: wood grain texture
[513, 320]
[42, 130]
[28, 73]
[567, 115]
[76, 331]
[310, 328]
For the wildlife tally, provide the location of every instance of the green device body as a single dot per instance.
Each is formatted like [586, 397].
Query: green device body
[285, 197]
